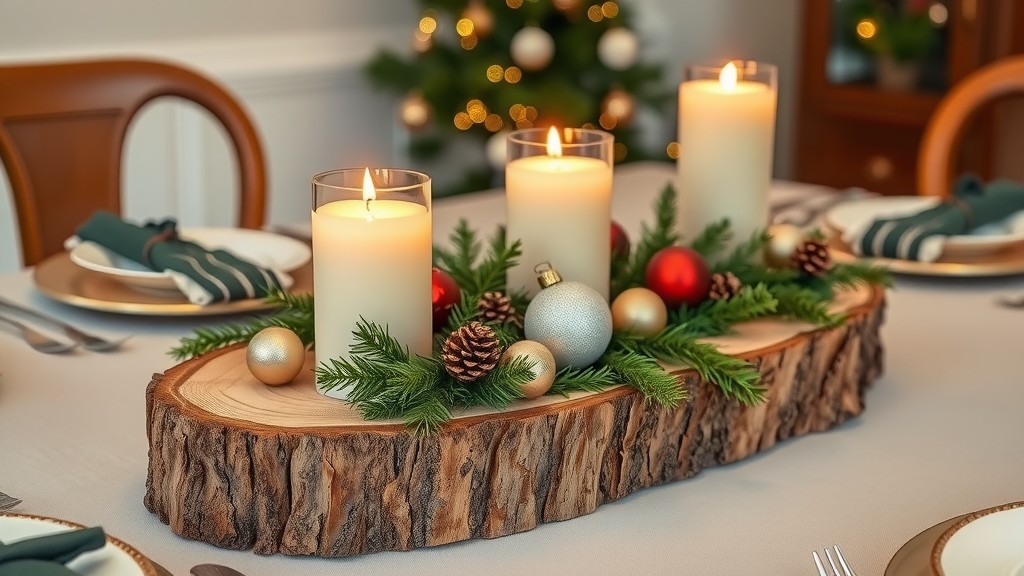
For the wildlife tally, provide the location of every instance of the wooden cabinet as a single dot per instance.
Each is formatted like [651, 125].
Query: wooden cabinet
[853, 129]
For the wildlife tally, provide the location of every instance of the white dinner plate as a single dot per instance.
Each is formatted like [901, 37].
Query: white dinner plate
[986, 543]
[264, 249]
[982, 241]
[114, 559]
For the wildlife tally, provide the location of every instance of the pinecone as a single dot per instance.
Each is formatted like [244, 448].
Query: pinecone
[724, 285]
[812, 258]
[497, 308]
[470, 352]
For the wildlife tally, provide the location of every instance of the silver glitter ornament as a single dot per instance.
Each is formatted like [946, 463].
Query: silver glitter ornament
[571, 319]
[275, 355]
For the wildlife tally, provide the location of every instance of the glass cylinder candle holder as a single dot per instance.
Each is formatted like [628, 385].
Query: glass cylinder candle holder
[371, 258]
[558, 193]
[726, 144]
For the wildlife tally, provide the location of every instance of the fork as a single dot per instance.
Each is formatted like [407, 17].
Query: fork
[847, 571]
[8, 502]
[88, 341]
[39, 341]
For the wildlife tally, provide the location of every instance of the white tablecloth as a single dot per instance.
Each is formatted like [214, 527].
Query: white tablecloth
[941, 436]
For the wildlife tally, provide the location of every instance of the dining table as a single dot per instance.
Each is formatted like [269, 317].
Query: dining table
[941, 436]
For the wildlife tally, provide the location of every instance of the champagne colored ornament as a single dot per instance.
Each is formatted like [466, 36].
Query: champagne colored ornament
[618, 48]
[543, 366]
[620, 105]
[481, 17]
[275, 355]
[783, 240]
[414, 111]
[639, 311]
[679, 275]
[532, 48]
[620, 240]
[444, 293]
[570, 318]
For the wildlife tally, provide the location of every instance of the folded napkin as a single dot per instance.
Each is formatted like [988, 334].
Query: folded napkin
[922, 236]
[46, 555]
[204, 276]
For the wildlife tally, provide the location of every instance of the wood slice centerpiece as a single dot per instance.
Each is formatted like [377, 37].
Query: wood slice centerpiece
[285, 470]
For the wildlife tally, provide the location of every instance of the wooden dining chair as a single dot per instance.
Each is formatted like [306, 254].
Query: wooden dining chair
[62, 133]
[936, 161]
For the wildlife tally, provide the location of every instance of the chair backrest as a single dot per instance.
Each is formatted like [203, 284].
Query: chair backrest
[936, 161]
[62, 132]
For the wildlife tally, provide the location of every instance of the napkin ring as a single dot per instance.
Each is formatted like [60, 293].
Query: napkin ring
[163, 236]
[963, 207]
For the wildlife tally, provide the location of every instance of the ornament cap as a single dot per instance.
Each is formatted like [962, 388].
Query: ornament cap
[547, 275]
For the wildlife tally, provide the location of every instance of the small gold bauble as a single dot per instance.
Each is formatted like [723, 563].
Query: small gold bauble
[275, 355]
[543, 366]
[783, 240]
[639, 311]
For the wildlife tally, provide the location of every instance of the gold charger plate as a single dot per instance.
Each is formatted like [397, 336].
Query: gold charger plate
[146, 567]
[914, 558]
[63, 280]
[1006, 262]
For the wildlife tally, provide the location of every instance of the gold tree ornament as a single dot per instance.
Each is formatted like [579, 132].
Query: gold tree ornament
[620, 105]
[639, 311]
[543, 362]
[275, 355]
[783, 240]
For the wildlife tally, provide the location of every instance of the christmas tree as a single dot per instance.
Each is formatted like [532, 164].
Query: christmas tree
[480, 68]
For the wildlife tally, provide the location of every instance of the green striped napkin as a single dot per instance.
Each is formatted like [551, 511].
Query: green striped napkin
[46, 555]
[204, 276]
[921, 236]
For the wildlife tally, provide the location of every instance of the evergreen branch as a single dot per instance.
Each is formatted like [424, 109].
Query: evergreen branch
[857, 274]
[500, 386]
[458, 261]
[593, 379]
[745, 258]
[652, 239]
[713, 239]
[646, 375]
[806, 304]
[717, 317]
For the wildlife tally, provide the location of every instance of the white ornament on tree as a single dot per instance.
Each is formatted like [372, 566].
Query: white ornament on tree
[497, 149]
[618, 48]
[532, 48]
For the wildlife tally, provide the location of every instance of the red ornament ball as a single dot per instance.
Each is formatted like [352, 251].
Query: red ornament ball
[679, 275]
[620, 241]
[445, 293]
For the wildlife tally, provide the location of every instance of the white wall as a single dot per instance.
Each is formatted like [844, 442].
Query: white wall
[296, 65]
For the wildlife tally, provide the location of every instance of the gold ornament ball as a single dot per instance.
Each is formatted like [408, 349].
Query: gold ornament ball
[275, 356]
[783, 240]
[619, 104]
[543, 366]
[639, 311]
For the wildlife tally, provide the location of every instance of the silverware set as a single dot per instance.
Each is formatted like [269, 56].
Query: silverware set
[847, 571]
[805, 211]
[8, 502]
[47, 344]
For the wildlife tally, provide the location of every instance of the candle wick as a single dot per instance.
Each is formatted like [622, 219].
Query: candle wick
[369, 215]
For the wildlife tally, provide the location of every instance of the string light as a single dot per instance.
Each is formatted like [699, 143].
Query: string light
[531, 114]
[495, 73]
[428, 24]
[672, 150]
[608, 121]
[493, 123]
[464, 27]
[867, 28]
[513, 4]
[595, 14]
[588, 126]
[517, 112]
[524, 124]
[477, 111]
[468, 42]
[513, 74]
[462, 121]
[610, 9]
[620, 151]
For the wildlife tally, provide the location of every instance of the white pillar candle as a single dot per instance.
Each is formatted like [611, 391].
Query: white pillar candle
[726, 140]
[558, 204]
[371, 260]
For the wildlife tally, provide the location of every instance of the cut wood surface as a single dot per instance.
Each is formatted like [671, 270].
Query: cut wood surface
[286, 470]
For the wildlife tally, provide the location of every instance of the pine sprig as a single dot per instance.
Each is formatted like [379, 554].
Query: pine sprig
[646, 375]
[856, 274]
[592, 379]
[713, 239]
[652, 239]
[717, 317]
[744, 260]
[294, 312]
[803, 303]
[462, 262]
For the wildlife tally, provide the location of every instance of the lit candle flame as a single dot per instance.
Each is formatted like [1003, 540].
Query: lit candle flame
[369, 193]
[728, 77]
[554, 144]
